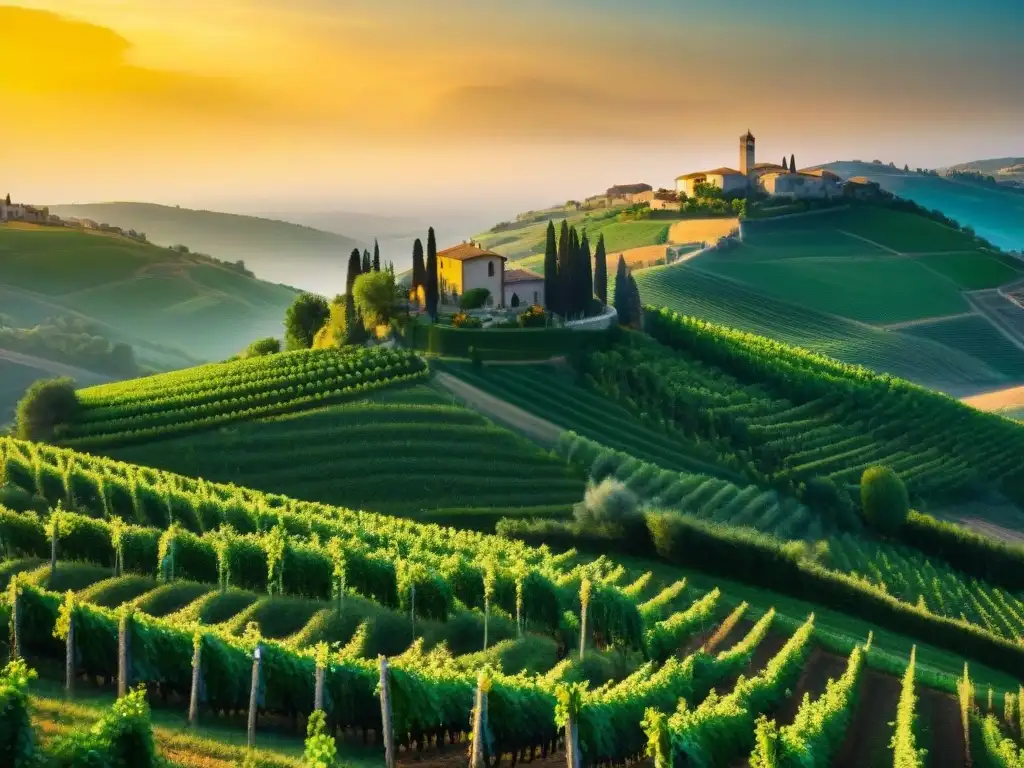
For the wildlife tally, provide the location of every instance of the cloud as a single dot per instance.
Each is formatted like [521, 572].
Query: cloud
[49, 58]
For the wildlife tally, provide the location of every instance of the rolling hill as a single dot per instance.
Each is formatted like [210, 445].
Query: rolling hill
[162, 302]
[886, 289]
[995, 214]
[277, 251]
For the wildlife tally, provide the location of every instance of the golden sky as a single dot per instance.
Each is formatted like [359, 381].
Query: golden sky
[225, 99]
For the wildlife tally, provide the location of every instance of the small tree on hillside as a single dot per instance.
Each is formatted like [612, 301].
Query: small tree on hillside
[792, 163]
[262, 347]
[307, 315]
[551, 269]
[45, 406]
[883, 499]
[374, 296]
[601, 272]
[430, 288]
[785, 166]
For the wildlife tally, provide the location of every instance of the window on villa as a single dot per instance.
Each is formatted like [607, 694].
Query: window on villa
[490, 269]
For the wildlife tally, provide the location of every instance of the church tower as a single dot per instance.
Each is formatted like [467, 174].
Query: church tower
[747, 153]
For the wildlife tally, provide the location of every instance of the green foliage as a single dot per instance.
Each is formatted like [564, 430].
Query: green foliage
[883, 498]
[474, 298]
[321, 751]
[533, 317]
[374, 295]
[667, 637]
[17, 737]
[307, 315]
[607, 502]
[123, 737]
[268, 346]
[464, 320]
[45, 409]
[906, 753]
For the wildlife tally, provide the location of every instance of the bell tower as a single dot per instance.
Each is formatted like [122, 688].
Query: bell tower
[747, 153]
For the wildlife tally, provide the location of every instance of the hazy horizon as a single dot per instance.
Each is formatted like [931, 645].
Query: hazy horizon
[397, 107]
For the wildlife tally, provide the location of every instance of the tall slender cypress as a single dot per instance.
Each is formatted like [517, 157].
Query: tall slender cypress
[551, 270]
[564, 275]
[419, 269]
[367, 262]
[622, 292]
[353, 324]
[601, 272]
[792, 163]
[376, 256]
[585, 284]
[635, 306]
[430, 287]
[784, 166]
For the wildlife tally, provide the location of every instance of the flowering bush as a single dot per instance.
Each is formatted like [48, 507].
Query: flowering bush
[533, 317]
[462, 320]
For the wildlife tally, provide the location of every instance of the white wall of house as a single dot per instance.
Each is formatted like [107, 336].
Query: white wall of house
[484, 272]
[528, 291]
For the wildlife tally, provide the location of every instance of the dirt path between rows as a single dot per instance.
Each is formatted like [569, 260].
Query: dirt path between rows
[867, 738]
[539, 430]
[942, 729]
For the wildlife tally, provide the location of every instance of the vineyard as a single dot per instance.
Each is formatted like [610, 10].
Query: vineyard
[207, 396]
[692, 291]
[403, 451]
[977, 337]
[786, 416]
[197, 575]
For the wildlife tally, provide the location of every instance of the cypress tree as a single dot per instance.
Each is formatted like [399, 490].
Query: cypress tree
[430, 287]
[784, 166]
[586, 281]
[571, 286]
[601, 272]
[622, 292]
[635, 306]
[564, 275]
[792, 163]
[376, 256]
[551, 270]
[419, 269]
[367, 263]
[354, 331]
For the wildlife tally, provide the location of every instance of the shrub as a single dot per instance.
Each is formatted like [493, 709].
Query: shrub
[123, 737]
[304, 318]
[321, 751]
[474, 298]
[462, 320]
[17, 738]
[374, 296]
[883, 499]
[534, 317]
[261, 347]
[46, 405]
[607, 502]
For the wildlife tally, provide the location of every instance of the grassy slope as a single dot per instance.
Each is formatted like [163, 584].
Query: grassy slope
[401, 452]
[136, 290]
[996, 215]
[274, 250]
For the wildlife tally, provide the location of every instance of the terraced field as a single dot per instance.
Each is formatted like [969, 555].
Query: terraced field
[404, 452]
[693, 291]
[975, 336]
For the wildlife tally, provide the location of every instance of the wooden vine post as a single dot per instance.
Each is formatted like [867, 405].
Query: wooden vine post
[254, 690]
[321, 657]
[585, 588]
[387, 731]
[65, 630]
[489, 580]
[124, 652]
[568, 702]
[197, 660]
[14, 596]
[478, 755]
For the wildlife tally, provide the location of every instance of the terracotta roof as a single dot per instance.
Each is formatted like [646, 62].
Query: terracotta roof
[521, 276]
[770, 165]
[821, 172]
[713, 172]
[466, 251]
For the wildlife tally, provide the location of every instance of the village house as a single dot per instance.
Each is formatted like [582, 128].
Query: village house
[523, 287]
[467, 266]
[768, 178]
[27, 213]
[626, 193]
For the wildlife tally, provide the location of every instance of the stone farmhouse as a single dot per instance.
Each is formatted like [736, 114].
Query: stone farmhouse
[767, 178]
[523, 287]
[26, 213]
[467, 266]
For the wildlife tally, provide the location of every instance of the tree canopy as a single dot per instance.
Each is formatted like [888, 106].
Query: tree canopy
[374, 296]
[883, 499]
[307, 315]
[474, 298]
[46, 405]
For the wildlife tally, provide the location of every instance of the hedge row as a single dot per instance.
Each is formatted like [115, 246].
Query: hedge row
[520, 342]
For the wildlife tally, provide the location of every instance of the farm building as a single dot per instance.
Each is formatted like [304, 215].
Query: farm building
[626, 193]
[467, 266]
[523, 287]
[769, 178]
